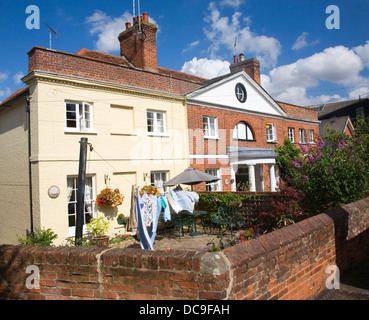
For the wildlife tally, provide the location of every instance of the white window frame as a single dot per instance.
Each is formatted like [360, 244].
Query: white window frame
[156, 127]
[302, 136]
[157, 179]
[311, 136]
[80, 117]
[90, 199]
[271, 132]
[291, 134]
[243, 134]
[216, 185]
[210, 126]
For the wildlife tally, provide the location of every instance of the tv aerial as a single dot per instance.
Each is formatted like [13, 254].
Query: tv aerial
[52, 33]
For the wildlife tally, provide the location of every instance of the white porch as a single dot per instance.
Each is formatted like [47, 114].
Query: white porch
[250, 163]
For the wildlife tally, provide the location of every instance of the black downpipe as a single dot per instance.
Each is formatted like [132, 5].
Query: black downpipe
[81, 191]
[28, 109]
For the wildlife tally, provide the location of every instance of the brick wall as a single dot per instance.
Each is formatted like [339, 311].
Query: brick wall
[75, 65]
[227, 120]
[289, 263]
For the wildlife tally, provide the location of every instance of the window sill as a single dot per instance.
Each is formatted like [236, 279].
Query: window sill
[122, 133]
[272, 142]
[159, 135]
[244, 140]
[211, 138]
[80, 132]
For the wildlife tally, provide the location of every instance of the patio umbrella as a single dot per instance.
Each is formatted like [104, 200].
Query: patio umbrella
[190, 177]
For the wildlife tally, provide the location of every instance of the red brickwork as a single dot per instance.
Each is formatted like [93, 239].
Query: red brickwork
[86, 67]
[139, 46]
[227, 120]
[290, 263]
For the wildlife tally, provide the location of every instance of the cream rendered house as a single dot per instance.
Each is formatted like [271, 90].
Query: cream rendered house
[134, 118]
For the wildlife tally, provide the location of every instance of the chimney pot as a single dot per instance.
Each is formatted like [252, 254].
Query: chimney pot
[145, 17]
[235, 59]
[128, 25]
[242, 57]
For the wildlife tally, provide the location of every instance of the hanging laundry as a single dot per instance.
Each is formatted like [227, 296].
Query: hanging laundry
[147, 209]
[165, 206]
[185, 199]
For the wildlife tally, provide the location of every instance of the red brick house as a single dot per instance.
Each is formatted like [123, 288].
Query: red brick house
[236, 126]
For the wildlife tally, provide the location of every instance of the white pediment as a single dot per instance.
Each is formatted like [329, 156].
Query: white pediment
[223, 93]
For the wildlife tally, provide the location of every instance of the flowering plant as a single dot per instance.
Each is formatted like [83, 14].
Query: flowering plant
[150, 190]
[111, 197]
[98, 226]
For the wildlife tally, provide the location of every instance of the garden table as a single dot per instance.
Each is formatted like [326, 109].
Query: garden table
[198, 213]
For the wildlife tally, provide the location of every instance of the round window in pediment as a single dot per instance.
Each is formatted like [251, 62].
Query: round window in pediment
[241, 93]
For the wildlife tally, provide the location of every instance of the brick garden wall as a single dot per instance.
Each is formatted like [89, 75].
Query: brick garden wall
[290, 263]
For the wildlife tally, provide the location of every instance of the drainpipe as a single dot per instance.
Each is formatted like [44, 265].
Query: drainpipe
[28, 109]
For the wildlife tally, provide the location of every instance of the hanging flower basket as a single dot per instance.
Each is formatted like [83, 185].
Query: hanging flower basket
[110, 197]
[150, 190]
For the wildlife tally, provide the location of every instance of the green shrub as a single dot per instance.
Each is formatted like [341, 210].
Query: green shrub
[40, 237]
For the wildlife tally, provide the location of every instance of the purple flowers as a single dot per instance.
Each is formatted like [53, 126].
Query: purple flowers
[297, 164]
[303, 148]
[320, 143]
[341, 144]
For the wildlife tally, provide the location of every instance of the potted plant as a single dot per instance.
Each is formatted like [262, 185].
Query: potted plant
[110, 197]
[122, 219]
[99, 226]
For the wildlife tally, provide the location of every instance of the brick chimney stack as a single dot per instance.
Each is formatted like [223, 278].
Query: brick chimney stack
[138, 43]
[250, 66]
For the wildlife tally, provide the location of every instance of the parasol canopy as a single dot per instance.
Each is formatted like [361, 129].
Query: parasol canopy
[190, 177]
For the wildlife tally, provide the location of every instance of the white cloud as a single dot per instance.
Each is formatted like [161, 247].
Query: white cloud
[338, 65]
[222, 32]
[363, 53]
[232, 3]
[359, 92]
[301, 42]
[6, 92]
[3, 76]
[17, 77]
[206, 68]
[108, 28]
[191, 46]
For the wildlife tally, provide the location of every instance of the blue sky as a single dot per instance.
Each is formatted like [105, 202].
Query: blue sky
[302, 61]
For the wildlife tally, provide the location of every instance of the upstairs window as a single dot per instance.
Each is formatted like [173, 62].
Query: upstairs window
[302, 136]
[156, 122]
[291, 134]
[242, 132]
[78, 117]
[210, 127]
[271, 132]
[311, 136]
